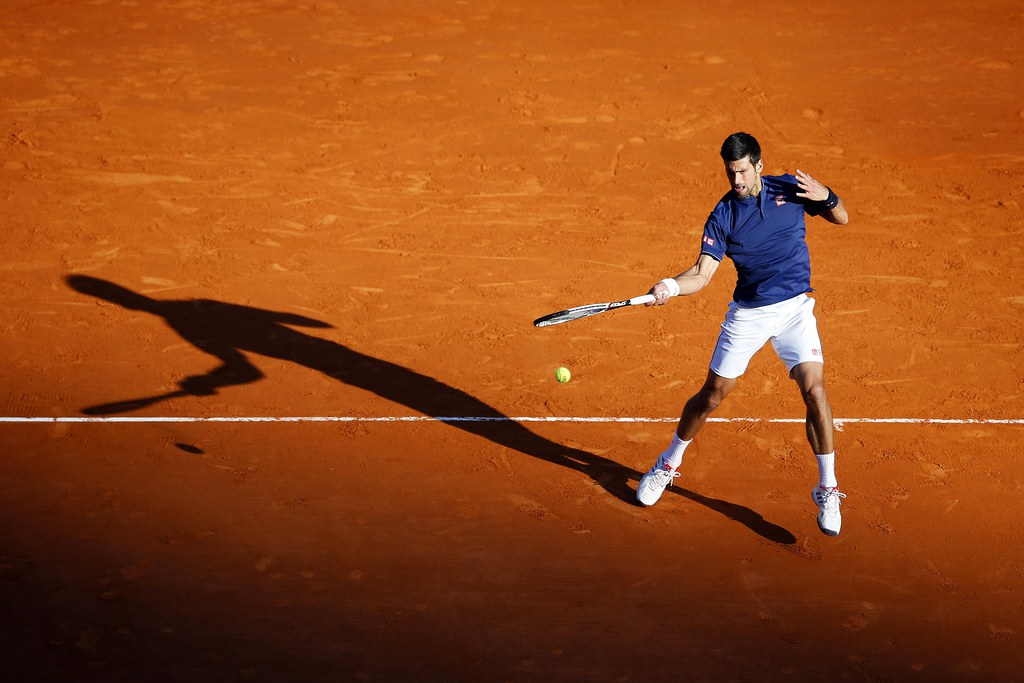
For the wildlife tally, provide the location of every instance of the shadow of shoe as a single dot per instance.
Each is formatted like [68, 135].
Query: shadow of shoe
[744, 515]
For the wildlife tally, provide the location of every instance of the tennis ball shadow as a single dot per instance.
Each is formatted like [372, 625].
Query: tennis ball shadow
[189, 448]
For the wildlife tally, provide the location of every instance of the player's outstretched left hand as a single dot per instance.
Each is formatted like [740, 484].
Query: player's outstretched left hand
[812, 189]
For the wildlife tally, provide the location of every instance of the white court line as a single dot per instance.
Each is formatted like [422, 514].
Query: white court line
[426, 418]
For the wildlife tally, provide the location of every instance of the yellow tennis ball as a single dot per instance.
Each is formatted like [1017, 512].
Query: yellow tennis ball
[563, 375]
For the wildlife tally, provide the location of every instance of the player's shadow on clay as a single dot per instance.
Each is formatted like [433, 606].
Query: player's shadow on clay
[228, 331]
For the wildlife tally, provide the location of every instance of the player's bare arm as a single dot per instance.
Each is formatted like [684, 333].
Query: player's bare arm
[690, 281]
[815, 191]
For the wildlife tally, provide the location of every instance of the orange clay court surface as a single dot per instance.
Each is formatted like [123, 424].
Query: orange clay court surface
[355, 210]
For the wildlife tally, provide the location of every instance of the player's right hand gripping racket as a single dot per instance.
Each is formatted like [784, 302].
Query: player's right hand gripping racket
[568, 314]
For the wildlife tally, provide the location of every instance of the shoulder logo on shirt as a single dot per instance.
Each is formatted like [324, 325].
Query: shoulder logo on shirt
[780, 200]
[709, 241]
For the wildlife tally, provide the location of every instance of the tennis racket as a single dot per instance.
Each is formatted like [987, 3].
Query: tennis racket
[568, 314]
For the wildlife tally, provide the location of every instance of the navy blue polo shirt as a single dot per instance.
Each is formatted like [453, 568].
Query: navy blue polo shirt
[765, 238]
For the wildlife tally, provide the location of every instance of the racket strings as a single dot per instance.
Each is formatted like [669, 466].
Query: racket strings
[571, 314]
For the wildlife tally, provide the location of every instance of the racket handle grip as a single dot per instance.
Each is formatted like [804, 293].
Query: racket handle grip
[645, 299]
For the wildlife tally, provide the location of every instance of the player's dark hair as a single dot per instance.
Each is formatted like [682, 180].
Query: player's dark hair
[739, 145]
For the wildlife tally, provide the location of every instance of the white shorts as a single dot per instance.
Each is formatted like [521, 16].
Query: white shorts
[789, 324]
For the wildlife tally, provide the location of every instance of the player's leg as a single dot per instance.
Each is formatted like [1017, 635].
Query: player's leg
[743, 333]
[695, 414]
[810, 377]
[799, 346]
[702, 404]
[821, 436]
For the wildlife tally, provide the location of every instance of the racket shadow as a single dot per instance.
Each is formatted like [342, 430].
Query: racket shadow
[229, 332]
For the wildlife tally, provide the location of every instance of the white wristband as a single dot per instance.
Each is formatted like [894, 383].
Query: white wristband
[673, 286]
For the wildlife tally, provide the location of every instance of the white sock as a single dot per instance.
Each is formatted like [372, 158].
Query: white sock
[827, 470]
[673, 455]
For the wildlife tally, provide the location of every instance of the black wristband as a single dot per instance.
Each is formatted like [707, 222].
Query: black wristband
[832, 201]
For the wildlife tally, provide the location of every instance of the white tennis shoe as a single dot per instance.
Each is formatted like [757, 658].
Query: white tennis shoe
[653, 484]
[830, 520]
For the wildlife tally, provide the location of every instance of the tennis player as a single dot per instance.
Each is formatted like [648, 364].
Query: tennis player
[759, 224]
